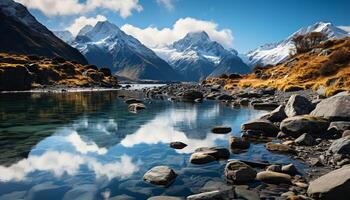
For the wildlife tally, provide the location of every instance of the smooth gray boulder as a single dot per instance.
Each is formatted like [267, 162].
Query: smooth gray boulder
[341, 146]
[160, 175]
[273, 177]
[332, 186]
[305, 139]
[267, 127]
[277, 115]
[289, 169]
[201, 158]
[298, 105]
[335, 108]
[297, 125]
[239, 172]
[339, 126]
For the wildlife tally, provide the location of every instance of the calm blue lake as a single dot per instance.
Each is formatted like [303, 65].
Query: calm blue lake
[88, 146]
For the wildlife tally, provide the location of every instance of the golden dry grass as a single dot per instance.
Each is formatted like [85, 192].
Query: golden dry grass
[308, 71]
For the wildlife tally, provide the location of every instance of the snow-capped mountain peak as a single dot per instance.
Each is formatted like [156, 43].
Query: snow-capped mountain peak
[275, 53]
[100, 31]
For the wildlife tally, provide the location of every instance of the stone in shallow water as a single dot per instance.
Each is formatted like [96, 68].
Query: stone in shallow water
[238, 143]
[201, 158]
[333, 186]
[261, 125]
[131, 101]
[217, 152]
[278, 147]
[273, 177]
[221, 129]
[242, 191]
[178, 145]
[239, 172]
[274, 168]
[290, 169]
[160, 175]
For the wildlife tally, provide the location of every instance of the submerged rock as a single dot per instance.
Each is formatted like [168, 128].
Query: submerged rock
[334, 185]
[132, 100]
[160, 175]
[239, 172]
[335, 108]
[242, 191]
[297, 105]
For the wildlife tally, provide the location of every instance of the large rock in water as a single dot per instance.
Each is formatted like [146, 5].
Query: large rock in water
[333, 186]
[261, 125]
[296, 126]
[298, 105]
[335, 108]
[341, 146]
[239, 172]
[160, 175]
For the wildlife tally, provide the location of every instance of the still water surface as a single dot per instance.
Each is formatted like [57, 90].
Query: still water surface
[88, 146]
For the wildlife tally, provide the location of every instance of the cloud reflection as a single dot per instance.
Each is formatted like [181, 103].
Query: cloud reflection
[60, 162]
[162, 130]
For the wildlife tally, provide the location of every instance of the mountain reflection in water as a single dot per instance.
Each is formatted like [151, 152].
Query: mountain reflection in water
[88, 146]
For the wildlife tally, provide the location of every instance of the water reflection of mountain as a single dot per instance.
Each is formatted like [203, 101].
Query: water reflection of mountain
[27, 118]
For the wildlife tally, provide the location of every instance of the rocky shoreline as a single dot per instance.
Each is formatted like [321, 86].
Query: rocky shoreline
[302, 124]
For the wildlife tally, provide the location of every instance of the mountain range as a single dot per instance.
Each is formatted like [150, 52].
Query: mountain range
[191, 58]
[196, 57]
[275, 53]
[21, 33]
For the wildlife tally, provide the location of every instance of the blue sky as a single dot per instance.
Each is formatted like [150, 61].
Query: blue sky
[250, 22]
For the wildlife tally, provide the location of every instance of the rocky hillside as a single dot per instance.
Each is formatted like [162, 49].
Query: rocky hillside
[21, 33]
[19, 72]
[325, 69]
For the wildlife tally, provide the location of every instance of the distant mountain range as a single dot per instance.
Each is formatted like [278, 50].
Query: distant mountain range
[192, 58]
[278, 52]
[21, 33]
[196, 57]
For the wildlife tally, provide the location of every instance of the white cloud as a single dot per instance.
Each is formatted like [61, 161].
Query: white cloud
[346, 28]
[82, 21]
[82, 146]
[70, 7]
[152, 36]
[168, 4]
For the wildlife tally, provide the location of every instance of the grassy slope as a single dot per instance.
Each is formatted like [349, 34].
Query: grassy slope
[311, 70]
